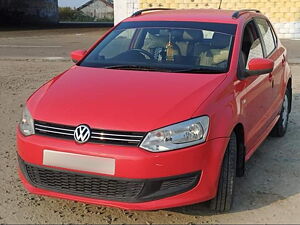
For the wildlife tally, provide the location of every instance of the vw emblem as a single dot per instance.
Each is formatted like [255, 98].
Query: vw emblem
[82, 134]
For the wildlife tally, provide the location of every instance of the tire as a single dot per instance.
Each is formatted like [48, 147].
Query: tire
[280, 127]
[224, 198]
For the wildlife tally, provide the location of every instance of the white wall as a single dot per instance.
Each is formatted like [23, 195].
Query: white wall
[290, 30]
[99, 10]
[124, 8]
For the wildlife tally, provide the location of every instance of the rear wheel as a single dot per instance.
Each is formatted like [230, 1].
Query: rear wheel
[280, 128]
[223, 200]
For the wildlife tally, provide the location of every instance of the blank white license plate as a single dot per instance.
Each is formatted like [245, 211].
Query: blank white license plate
[79, 162]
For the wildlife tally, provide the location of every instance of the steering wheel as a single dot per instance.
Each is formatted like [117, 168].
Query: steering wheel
[142, 51]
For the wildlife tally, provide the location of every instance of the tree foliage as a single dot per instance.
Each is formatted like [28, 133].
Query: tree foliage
[73, 15]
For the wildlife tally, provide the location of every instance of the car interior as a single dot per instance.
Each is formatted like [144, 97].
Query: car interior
[193, 47]
[190, 46]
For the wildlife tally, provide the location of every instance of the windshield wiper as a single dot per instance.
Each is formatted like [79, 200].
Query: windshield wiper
[149, 68]
[199, 70]
[134, 67]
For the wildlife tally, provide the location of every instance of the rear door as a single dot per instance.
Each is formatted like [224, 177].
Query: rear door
[272, 51]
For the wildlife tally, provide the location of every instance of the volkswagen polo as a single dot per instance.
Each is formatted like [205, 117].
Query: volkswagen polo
[163, 111]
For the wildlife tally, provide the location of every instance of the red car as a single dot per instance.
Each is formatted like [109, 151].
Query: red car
[163, 111]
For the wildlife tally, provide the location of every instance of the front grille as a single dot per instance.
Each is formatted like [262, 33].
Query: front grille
[82, 184]
[107, 188]
[97, 135]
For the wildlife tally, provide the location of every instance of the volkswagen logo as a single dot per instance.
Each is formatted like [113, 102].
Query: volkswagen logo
[82, 134]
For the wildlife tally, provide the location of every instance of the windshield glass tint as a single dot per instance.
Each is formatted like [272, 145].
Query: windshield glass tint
[165, 46]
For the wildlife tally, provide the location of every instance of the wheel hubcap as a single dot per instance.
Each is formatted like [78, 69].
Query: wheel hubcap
[285, 111]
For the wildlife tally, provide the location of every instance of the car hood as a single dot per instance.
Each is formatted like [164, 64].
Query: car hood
[121, 99]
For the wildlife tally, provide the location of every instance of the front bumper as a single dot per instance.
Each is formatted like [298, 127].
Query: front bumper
[132, 164]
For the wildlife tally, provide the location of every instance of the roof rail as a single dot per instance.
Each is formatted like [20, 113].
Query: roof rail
[137, 13]
[237, 13]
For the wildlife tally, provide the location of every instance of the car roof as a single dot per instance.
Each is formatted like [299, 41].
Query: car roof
[192, 15]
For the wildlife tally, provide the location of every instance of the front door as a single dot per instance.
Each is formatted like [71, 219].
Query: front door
[275, 53]
[256, 96]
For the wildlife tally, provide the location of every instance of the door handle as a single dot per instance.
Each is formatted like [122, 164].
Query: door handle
[283, 60]
[270, 76]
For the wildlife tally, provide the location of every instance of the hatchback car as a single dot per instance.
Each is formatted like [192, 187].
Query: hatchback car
[163, 111]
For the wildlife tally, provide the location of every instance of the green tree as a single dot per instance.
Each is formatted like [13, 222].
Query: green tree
[73, 15]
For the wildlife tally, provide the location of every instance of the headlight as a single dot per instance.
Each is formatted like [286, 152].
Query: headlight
[180, 135]
[26, 124]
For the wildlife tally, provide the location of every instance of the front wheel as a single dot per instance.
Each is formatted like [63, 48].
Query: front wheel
[224, 198]
[280, 127]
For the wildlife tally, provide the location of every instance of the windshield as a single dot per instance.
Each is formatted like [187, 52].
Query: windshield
[165, 46]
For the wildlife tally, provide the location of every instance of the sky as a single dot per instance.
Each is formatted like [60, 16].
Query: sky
[71, 3]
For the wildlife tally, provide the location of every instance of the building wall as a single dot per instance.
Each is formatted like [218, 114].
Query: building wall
[125, 8]
[284, 14]
[28, 11]
[99, 10]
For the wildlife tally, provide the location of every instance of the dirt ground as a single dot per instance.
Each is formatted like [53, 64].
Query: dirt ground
[268, 193]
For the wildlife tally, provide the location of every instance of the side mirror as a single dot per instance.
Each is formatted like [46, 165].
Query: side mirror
[259, 66]
[77, 55]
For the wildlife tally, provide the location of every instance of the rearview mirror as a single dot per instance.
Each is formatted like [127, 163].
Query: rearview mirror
[259, 66]
[77, 55]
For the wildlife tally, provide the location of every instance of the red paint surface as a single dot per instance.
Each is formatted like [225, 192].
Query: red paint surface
[143, 101]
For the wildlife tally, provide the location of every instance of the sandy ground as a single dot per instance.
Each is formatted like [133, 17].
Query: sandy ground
[268, 193]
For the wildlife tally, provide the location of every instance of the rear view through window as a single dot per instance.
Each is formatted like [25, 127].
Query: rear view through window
[180, 47]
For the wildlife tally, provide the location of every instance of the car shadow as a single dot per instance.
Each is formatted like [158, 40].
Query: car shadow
[272, 173]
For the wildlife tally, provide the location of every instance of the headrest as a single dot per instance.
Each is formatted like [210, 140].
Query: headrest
[177, 34]
[154, 31]
[193, 35]
[163, 33]
[157, 40]
[220, 40]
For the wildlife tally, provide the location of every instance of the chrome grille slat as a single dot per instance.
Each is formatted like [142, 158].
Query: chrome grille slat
[51, 131]
[116, 135]
[114, 139]
[55, 128]
[97, 135]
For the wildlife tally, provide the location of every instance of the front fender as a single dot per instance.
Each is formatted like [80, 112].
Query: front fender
[223, 109]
